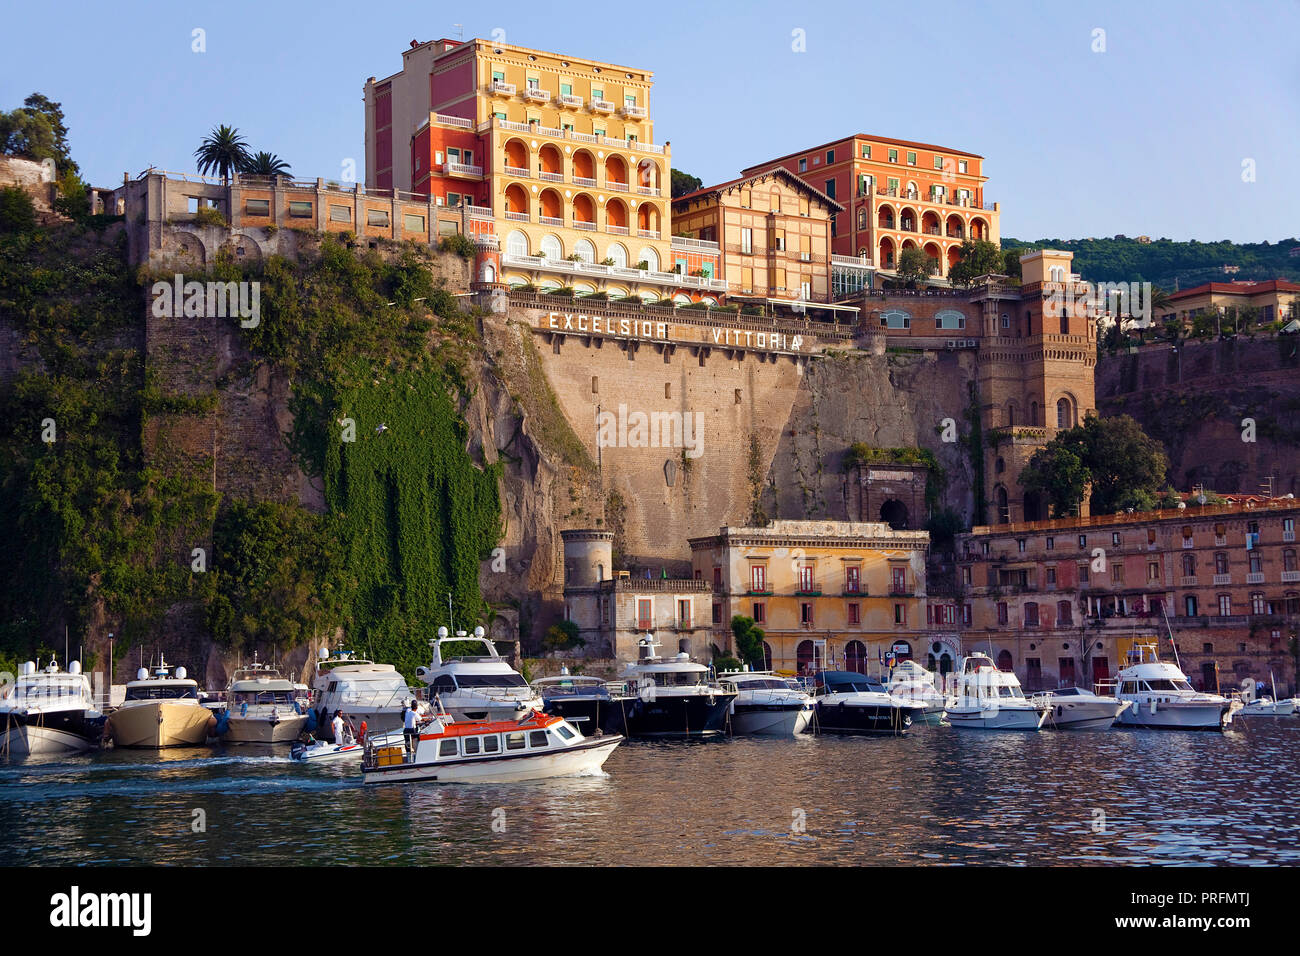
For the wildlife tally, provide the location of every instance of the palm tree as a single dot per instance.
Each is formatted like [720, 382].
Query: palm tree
[265, 164]
[224, 151]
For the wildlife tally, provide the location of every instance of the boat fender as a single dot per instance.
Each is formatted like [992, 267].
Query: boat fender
[1153, 705]
[243, 709]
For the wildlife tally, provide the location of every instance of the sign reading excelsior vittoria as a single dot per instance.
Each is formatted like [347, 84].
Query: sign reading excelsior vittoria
[579, 323]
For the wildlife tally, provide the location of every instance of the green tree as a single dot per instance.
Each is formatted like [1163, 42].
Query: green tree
[1011, 263]
[222, 151]
[263, 163]
[979, 257]
[562, 636]
[37, 131]
[17, 214]
[1125, 466]
[749, 642]
[683, 183]
[914, 266]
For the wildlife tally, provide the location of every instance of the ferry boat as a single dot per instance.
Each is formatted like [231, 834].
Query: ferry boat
[991, 699]
[912, 682]
[49, 710]
[1074, 708]
[848, 702]
[261, 707]
[476, 686]
[675, 696]
[162, 709]
[588, 703]
[766, 704]
[535, 747]
[1162, 696]
[361, 689]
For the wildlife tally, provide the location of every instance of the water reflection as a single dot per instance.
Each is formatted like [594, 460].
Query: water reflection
[936, 796]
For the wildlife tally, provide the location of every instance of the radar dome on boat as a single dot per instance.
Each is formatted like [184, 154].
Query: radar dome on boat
[29, 667]
[323, 653]
[142, 674]
[479, 632]
[74, 667]
[442, 632]
[180, 673]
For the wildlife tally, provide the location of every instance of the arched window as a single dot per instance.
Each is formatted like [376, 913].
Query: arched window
[552, 248]
[585, 250]
[1004, 661]
[855, 657]
[488, 274]
[517, 244]
[1033, 413]
[804, 657]
[767, 656]
[1063, 417]
[618, 254]
[1220, 562]
[1189, 565]
[1004, 513]
[648, 255]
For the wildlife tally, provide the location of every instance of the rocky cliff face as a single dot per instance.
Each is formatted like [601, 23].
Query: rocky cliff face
[1227, 412]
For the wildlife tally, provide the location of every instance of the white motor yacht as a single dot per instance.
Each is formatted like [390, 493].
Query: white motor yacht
[476, 686]
[363, 690]
[162, 709]
[48, 710]
[1073, 708]
[766, 704]
[911, 682]
[1266, 706]
[261, 707]
[1162, 696]
[991, 699]
[848, 702]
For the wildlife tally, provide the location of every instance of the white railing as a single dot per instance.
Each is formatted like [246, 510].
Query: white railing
[648, 233]
[617, 230]
[1288, 535]
[616, 187]
[1187, 581]
[551, 177]
[568, 99]
[515, 171]
[602, 106]
[583, 181]
[517, 216]
[583, 137]
[861, 262]
[550, 131]
[686, 242]
[478, 212]
[447, 120]
[646, 147]
[551, 220]
[464, 169]
[517, 127]
[1290, 577]
[539, 95]
[622, 272]
[501, 86]
[1222, 579]
[585, 226]
[486, 239]
[633, 111]
[647, 190]
[1255, 577]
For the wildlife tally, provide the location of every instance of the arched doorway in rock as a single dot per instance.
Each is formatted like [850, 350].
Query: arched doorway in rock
[894, 513]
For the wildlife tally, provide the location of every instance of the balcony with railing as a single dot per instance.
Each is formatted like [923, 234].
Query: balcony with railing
[632, 111]
[648, 233]
[463, 169]
[582, 267]
[617, 230]
[1290, 577]
[551, 177]
[584, 225]
[535, 94]
[551, 220]
[686, 243]
[571, 101]
[515, 171]
[616, 186]
[584, 181]
[602, 106]
[501, 88]
[517, 216]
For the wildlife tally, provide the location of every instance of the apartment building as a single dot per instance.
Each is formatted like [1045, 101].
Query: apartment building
[1272, 301]
[826, 593]
[1061, 602]
[895, 195]
[552, 156]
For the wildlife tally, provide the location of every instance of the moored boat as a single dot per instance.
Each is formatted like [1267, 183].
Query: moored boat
[363, 690]
[475, 686]
[161, 709]
[1074, 708]
[261, 707]
[991, 699]
[589, 703]
[912, 682]
[848, 702]
[49, 710]
[766, 704]
[536, 747]
[675, 696]
[1162, 696]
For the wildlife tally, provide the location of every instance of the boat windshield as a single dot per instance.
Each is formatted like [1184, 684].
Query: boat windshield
[167, 692]
[490, 680]
[262, 697]
[674, 678]
[1005, 691]
[1167, 685]
[765, 683]
[575, 689]
[46, 690]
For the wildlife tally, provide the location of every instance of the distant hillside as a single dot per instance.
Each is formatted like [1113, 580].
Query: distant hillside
[1164, 262]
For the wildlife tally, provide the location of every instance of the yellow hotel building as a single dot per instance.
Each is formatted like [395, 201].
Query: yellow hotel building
[828, 594]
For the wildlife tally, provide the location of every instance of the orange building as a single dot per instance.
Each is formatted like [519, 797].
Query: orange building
[897, 194]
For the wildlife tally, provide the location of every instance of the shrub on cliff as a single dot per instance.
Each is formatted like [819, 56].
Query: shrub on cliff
[17, 213]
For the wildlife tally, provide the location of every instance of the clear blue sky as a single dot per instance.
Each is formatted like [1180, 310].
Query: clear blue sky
[1148, 137]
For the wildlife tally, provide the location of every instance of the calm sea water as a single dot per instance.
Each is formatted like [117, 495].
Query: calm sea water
[936, 796]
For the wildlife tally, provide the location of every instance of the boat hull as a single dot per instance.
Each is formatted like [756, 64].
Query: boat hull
[846, 718]
[1168, 716]
[1280, 708]
[774, 720]
[999, 718]
[262, 730]
[586, 757]
[161, 724]
[1083, 715]
[68, 731]
[608, 715]
[325, 752]
[689, 715]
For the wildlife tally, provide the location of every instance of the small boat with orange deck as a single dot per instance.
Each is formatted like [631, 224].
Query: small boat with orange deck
[535, 747]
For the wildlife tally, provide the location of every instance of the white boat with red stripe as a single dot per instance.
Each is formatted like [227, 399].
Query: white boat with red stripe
[536, 747]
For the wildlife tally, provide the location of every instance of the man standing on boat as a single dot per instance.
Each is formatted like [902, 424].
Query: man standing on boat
[410, 734]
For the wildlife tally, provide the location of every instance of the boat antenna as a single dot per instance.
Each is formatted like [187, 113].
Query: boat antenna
[1172, 642]
[451, 615]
